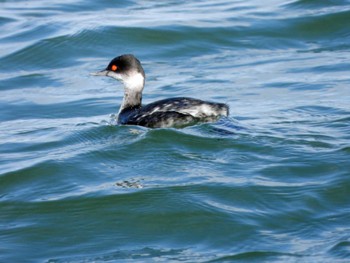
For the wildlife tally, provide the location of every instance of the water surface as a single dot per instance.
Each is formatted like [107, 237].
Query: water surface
[270, 183]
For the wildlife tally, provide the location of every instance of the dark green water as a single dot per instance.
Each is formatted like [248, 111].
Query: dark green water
[271, 183]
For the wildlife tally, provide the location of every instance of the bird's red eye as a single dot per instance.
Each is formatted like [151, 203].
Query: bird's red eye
[114, 67]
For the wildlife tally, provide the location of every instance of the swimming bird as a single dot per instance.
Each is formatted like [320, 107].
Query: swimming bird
[172, 112]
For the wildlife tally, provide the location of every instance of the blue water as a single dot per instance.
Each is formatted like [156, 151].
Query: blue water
[270, 183]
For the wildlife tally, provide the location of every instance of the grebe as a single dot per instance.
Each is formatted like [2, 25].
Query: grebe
[172, 112]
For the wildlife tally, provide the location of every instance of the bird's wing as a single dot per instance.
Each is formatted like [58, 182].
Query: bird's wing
[163, 119]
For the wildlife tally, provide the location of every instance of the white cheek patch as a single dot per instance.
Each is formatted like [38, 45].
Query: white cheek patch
[134, 81]
[114, 75]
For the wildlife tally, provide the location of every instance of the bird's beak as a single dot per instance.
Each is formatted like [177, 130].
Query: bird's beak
[100, 73]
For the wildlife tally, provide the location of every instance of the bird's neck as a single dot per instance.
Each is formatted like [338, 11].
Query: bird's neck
[133, 88]
[131, 99]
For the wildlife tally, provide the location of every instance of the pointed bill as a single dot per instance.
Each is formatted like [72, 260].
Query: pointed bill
[100, 73]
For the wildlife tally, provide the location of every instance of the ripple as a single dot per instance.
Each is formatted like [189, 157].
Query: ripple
[311, 4]
[341, 249]
[31, 33]
[36, 80]
[269, 183]
[258, 255]
[147, 253]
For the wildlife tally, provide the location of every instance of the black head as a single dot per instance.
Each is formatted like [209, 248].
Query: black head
[125, 64]
[125, 68]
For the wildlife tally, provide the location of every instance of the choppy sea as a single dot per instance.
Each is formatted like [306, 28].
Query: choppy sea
[270, 183]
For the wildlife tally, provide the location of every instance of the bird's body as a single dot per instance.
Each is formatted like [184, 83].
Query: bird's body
[172, 112]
